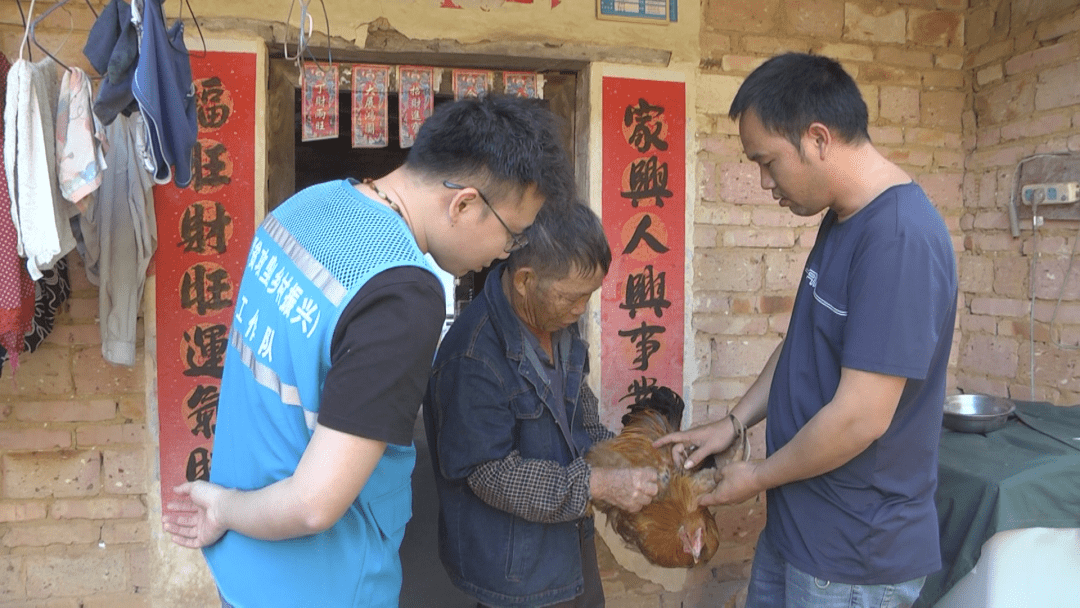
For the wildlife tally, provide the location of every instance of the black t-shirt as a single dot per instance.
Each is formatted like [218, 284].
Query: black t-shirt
[381, 353]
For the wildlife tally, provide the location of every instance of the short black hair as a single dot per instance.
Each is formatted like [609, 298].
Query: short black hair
[503, 144]
[563, 238]
[790, 91]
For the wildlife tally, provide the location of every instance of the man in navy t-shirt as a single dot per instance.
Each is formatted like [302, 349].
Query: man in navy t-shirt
[854, 392]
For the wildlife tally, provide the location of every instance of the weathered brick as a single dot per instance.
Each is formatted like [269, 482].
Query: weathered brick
[65, 411]
[715, 92]
[125, 532]
[990, 136]
[1011, 277]
[72, 532]
[999, 307]
[999, 157]
[738, 271]
[949, 159]
[870, 94]
[912, 58]
[724, 214]
[34, 439]
[935, 28]
[978, 27]
[97, 508]
[844, 52]
[991, 220]
[12, 579]
[1019, 328]
[1056, 28]
[706, 236]
[993, 52]
[758, 16]
[941, 108]
[885, 135]
[1043, 57]
[776, 304]
[767, 45]
[714, 44]
[900, 104]
[1057, 368]
[124, 471]
[970, 383]
[783, 270]
[874, 23]
[971, 324]
[741, 358]
[911, 157]
[943, 189]
[777, 216]
[95, 376]
[718, 390]
[935, 137]
[1057, 87]
[45, 372]
[740, 183]
[730, 325]
[42, 474]
[757, 237]
[991, 73]
[993, 355]
[99, 435]
[876, 73]
[945, 79]
[741, 63]
[779, 323]
[1036, 127]
[721, 146]
[11, 510]
[823, 18]
[95, 571]
[1051, 281]
[119, 600]
[139, 568]
[76, 334]
[949, 61]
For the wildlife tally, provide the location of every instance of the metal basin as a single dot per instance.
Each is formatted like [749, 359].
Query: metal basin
[976, 413]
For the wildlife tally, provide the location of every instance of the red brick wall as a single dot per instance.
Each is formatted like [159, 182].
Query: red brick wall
[1025, 58]
[73, 469]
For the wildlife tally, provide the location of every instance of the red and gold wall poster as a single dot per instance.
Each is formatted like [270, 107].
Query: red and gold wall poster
[643, 189]
[203, 233]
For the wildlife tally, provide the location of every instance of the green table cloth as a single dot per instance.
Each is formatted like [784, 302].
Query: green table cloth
[1025, 475]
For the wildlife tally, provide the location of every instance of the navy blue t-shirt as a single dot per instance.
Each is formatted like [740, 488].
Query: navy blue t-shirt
[878, 294]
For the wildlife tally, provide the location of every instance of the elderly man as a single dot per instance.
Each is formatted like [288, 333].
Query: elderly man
[509, 417]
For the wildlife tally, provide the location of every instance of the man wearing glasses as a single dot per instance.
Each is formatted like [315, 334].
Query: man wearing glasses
[509, 416]
[336, 323]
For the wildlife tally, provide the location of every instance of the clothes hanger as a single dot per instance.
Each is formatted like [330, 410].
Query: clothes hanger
[302, 43]
[35, 22]
[194, 20]
[25, 25]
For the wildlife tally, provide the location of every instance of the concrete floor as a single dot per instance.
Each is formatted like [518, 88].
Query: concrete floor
[424, 581]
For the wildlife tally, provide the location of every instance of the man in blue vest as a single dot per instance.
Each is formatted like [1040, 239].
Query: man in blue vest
[509, 417]
[854, 392]
[334, 329]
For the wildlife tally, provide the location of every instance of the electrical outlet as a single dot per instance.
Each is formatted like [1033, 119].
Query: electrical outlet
[1051, 194]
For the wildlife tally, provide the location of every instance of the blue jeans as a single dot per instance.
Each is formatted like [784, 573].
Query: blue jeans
[775, 583]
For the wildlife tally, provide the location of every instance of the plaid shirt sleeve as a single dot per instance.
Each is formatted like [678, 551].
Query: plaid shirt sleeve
[534, 490]
[541, 490]
[597, 431]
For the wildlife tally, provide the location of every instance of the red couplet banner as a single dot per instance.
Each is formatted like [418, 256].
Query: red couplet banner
[644, 206]
[204, 232]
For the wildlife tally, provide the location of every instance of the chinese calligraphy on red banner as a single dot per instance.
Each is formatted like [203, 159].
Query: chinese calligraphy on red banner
[319, 102]
[371, 84]
[204, 231]
[644, 202]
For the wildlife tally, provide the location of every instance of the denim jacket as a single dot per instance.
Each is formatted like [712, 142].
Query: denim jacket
[485, 400]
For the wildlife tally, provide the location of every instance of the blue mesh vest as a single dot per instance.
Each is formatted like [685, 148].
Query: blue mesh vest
[308, 259]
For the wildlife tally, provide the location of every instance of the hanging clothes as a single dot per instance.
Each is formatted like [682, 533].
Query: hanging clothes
[16, 287]
[50, 291]
[166, 94]
[112, 47]
[40, 213]
[122, 217]
[80, 140]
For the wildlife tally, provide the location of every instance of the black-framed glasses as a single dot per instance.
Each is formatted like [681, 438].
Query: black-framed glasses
[517, 239]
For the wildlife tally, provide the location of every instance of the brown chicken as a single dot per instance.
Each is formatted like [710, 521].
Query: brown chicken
[673, 530]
